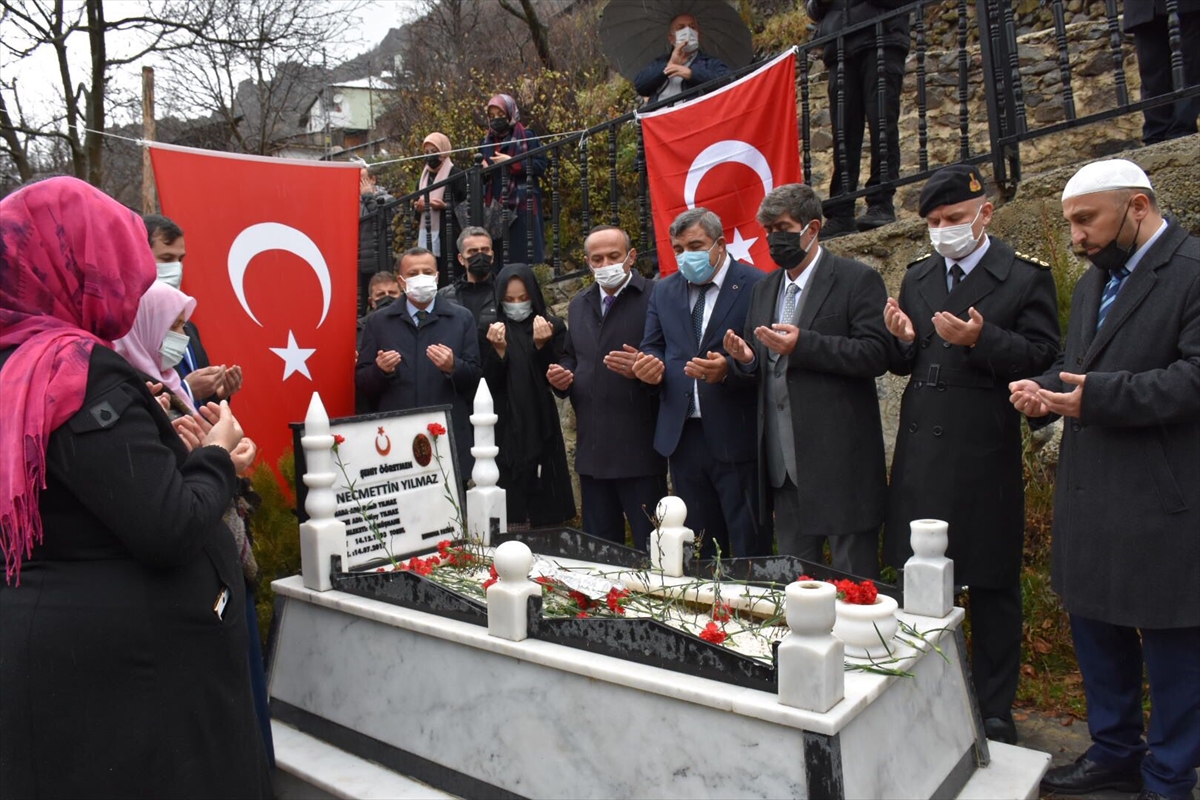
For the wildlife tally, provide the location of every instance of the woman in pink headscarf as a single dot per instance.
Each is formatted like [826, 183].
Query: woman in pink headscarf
[122, 636]
[505, 145]
[155, 343]
[436, 211]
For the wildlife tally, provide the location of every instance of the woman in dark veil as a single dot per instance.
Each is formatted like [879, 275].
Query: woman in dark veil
[533, 460]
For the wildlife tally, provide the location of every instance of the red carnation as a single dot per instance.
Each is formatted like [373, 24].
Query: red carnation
[435, 429]
[615, 596]
[492, 579]
[805, 578]
[721, 612]
[867, 593]
[582, 615]
[712, 633]
[443, 547]
[580, 599]
[337, 440]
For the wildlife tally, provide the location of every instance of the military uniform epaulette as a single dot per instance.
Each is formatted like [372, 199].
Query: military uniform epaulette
[1035, 261]
[918, 260]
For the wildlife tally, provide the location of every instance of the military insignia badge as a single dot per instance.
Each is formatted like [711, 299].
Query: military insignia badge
[974, 185]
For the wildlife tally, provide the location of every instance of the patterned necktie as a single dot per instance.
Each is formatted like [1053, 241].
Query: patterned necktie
[422, 315]
[1110, 294]
[698, 331]
[609, 299]
[789, 303]
[956, 276]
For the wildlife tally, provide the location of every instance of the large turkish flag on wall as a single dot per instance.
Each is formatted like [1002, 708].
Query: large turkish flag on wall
[272, 252]
[724, 151]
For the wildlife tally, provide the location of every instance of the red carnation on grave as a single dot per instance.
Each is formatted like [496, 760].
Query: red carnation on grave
[712, 633]
[443, 547]
[858, 594]
[492, 579]
[435, 429]
[338, 439]
[582, 615]
[615, 596]
[581, 600]
[805, 578]
[721, 612]
[867, 593]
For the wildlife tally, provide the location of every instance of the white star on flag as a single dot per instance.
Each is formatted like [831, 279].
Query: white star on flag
[739, 248]
[294, 357]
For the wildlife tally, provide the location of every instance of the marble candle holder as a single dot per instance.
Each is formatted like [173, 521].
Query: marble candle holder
[868, 631]
[322, 536]
[508, 598]
[668, 541]
[487, 508]
[928, 574]
[810, 661]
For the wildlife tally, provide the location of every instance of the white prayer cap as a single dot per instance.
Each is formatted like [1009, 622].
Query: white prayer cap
[1105, 176]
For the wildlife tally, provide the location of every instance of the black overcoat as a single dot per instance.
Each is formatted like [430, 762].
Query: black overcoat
[614, 416]
[118, 679]
[958, 449]
[1127, 503]
[843, 346]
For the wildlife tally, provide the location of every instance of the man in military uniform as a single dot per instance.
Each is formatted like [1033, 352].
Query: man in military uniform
[970, 319]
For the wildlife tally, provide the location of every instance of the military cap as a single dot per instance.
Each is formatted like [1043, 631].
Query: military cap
[949, 185]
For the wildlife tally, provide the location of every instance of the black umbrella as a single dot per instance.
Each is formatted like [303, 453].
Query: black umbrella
[634, 32]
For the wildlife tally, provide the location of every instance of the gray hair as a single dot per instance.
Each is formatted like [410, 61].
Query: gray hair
[468, 232]
[797, 200]
[602, 229]
[709, 222]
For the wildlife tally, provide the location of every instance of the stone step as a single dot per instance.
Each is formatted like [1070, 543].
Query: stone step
[1014, 774]
[309, 769]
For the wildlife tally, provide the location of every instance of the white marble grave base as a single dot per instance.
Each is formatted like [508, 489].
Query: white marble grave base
[538, 719]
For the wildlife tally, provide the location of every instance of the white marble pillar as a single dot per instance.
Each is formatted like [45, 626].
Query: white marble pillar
[485, 501]
[811, 660]
[508, 598]
[323, 535]
[667, 542]
[929, 575]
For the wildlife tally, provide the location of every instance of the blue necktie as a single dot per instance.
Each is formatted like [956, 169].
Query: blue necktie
[1110, 294]
[698, 332]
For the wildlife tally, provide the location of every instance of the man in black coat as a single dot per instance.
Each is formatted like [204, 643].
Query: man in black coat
[685, 67]
[970, 319]
[417, 353]
[475, 290]
[814, 344]
[620, 476]
[1147, 21]
[860, 104]
[1126, 552]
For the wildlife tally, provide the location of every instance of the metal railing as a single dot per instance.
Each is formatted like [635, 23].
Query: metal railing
[589, 160]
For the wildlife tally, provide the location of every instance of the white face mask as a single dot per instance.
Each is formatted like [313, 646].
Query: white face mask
[518, 312]
[421, 288]
[171, 273]
[611, 276]
[173, 347]
[689, 38]
[955, 241]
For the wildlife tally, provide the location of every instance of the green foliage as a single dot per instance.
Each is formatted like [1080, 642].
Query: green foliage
[276, 533]
[1063, 265]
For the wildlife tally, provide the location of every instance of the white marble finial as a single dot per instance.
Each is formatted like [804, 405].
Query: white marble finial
[485, 501]
[668, 540]
[508, 598]
[810, 659]
[323, 535]
[929, 575]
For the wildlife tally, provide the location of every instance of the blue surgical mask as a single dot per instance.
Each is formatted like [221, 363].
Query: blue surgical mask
[696, 265]
[518, 312]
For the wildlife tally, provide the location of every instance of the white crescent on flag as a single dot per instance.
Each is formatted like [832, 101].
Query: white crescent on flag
[274, 236]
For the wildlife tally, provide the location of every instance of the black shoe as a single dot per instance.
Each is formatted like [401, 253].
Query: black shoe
[838, 226]
[1000, 730]
[876, 217]
[1086, 776]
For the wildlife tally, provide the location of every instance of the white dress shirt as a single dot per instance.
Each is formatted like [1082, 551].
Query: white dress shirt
[710, 302]
[967, 264]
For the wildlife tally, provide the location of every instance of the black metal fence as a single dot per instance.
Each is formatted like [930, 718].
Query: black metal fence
[604, 187]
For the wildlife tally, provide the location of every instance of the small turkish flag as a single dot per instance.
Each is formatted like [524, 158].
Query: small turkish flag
[272, 260]
[725, 151]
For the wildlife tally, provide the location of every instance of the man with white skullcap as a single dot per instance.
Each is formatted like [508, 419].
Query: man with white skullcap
[1126, 551]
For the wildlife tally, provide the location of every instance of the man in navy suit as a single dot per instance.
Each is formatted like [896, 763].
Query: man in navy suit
[686, 67]
[706, 426]
[620, 476]
[814, 345]
[416, 353]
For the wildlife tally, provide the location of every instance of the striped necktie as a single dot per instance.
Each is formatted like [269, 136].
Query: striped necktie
[1110, 294]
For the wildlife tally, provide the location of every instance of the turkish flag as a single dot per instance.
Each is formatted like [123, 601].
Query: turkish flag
[725, 151]
[272, 260]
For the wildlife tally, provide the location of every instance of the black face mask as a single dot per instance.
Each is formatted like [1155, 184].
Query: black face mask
[433, 161]
[383, 302]
[786, 250]
[1112, 256]
[499, 125]
[479, 264]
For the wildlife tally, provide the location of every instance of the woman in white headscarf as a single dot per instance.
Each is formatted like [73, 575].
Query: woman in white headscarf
[433, 215]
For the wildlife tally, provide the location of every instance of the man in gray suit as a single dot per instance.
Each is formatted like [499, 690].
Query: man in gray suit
[1126, 551]
[815, 342]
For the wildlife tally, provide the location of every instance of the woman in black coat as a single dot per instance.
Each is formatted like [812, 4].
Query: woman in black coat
[437, 224]
[506, 141]
[533, 459]
[123, 643]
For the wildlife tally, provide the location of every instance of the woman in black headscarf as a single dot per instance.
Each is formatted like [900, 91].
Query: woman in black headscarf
[533, 460]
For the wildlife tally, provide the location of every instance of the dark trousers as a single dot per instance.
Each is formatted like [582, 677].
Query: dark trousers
[1176, 119]
[1111, 658]
[860, 104]
[856, 553]
[719, 495]
[996, 619]
[258, 678]
[608, 502]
